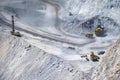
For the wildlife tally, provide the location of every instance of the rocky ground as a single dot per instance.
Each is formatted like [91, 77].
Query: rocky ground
[109, 68]
[53, 40]
[20, 60]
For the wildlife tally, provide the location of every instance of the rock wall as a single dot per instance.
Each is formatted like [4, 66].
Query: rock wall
[109, 68]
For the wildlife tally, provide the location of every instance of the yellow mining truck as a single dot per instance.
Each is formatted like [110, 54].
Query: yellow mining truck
[89, 35]
[99, 31]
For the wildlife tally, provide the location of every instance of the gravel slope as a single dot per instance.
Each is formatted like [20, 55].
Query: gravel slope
[109, 68]
[21, 61]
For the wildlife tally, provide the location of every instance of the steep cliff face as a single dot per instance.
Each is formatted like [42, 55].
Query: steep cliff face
[109, 68]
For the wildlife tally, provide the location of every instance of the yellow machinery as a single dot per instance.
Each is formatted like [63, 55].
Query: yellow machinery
[89, 35]
[94, 57]
[13, 29]
[16, 34]
[99, 31]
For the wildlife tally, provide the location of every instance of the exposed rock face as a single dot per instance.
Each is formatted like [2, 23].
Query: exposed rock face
[109, 68]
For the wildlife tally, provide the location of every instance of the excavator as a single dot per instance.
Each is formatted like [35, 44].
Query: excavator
[94, 57]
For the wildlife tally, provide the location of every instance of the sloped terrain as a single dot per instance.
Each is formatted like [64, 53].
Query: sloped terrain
[53, 45]
[109, 68]
[20, 60]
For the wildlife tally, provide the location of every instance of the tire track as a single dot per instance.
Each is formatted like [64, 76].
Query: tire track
[45, 35]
